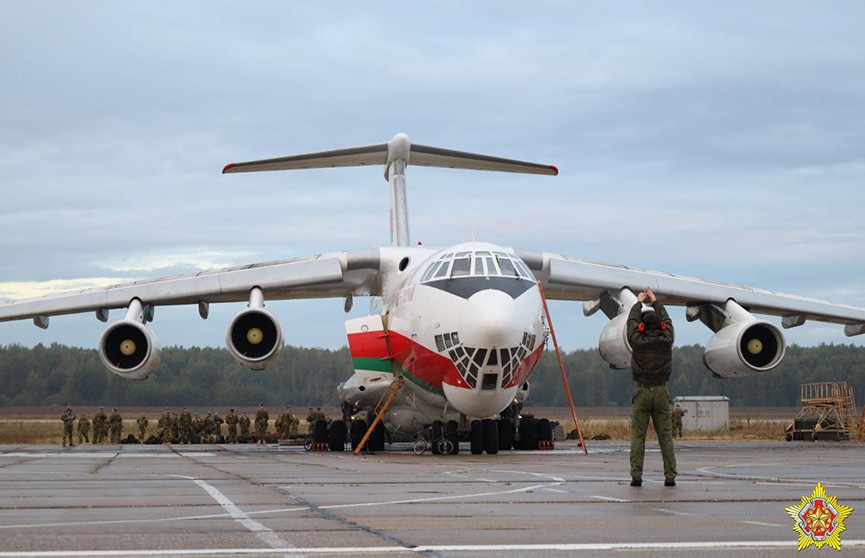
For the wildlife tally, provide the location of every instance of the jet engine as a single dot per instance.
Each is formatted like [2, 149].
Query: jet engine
[613, 343]
[128, 348]
[254, 336]
[742, 344]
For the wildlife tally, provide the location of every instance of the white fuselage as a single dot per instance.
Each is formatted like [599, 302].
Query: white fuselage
[464, 327]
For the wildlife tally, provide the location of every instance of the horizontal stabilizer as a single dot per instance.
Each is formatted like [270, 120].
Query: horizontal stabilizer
[399, 148]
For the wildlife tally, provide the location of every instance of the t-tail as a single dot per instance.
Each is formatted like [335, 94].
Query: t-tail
[395, 155]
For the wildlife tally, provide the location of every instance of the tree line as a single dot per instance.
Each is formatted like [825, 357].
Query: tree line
[204, 376]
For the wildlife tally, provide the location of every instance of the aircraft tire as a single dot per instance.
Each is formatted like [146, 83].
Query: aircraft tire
[453, 436]
[358, 430]
[506, 435]
[476, 438]
[491, 436]
[529, 434]
[337, 436]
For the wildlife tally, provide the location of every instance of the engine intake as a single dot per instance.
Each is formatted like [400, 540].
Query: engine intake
[254, 337]
[127, 348]
[744, 346]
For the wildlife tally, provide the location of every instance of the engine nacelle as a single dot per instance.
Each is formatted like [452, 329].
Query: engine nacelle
[744, 348]
[613, 344]
[254, 338]
[127, 348]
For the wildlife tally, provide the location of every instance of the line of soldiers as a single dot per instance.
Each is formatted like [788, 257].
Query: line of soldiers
[185, 427]
[103, 425]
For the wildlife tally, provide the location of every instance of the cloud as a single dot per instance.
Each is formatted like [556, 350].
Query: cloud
[719, 142]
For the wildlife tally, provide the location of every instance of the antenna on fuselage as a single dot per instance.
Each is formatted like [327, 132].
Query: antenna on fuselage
[395, 155]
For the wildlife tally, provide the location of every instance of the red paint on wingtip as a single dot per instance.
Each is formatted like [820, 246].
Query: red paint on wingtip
[228, 167]
[555, 170]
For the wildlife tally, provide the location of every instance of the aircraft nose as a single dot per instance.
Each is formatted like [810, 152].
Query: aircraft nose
[490, 319]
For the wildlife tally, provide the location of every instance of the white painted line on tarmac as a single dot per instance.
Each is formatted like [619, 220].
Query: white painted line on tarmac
[266, 534]
[673, 512]
[774, 481]
[610, 498]
[357, 550]
[91, 454]
[762, 524]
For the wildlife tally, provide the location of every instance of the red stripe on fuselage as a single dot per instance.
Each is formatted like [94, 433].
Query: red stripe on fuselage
[436, 369]
[369, 344]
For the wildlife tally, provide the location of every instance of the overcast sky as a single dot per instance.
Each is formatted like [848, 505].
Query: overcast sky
[722, 140]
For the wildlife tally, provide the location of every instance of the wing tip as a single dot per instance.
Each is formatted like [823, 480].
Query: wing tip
[227, 168]
[554, 169]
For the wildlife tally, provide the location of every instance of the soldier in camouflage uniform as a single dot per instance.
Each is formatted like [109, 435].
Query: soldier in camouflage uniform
[83, 429]
[209, 428]
[184, 422]
[286, 417]
[218, 421]
[245, 424]
[261, 419]
[68, 418]
[231, 421]
[100, 426]
[198, 427]
[115, 424]
[163, 425]
[175, 426]
[677, 413]
[650, 333]
[142, 423]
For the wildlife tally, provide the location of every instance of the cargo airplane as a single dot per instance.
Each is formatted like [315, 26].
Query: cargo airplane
[462, 326]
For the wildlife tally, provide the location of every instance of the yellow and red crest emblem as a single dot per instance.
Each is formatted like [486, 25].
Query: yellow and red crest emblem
[819, 519]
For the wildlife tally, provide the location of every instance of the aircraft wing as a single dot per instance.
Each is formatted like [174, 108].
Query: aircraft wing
[335, 274]
[568, 278]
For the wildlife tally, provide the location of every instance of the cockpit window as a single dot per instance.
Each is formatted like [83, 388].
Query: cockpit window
[441, 270]
[482, 263]
[525, 273]
[462, 266]
[507, 266]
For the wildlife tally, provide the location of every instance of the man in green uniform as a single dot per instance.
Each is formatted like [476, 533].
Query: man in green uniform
[163, 425]
[142, 423]
[83, 429]
[68, 418]
[231, 421]
[100, 424]
[185, 424]
[677, 413]
[286, 417]
[650, 333]
[115, 425]
[208, 429]
[261, 418]
[197, 428]
[218, 421]
[245, 423]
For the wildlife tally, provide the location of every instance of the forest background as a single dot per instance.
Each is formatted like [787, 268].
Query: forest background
[57, 374]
